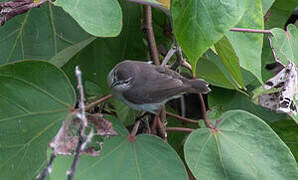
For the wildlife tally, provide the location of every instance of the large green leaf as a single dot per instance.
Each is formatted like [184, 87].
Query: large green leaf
[248, 46]
[35, 99]
[241, 147]
[98, 58]
[287, 130]
[200, 23]
[230, 60]
[212, 69]
[42, 34]
[101, 18]
[279, 14]
[146, 158]
[266, 4]
[285, 44]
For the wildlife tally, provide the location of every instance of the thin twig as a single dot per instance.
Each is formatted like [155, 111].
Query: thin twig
[81, 132]
[95, 103]
[204, 113]
[162, 123]
[184, 119]
[135, 128]
[10, 9]
[150, 35]
[71, 172]
[251, 30]
[179, 129]
[48, 168]
[154, 124]
[273, 51]
[132, 135]
[168, 56]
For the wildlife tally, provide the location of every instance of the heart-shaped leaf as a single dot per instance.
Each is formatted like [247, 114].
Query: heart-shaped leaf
[146, 158]
[200, 23]
[44, 33]
[248, 46]
[101, 18]
[285, 44]
[241, 147]
[35, 99]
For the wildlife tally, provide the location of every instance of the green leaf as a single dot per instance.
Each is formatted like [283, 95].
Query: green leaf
[266, 4]
[117, 125]
[198, 24]
[242, 147]
[63, 56]
[248, 46]
[231, 100]
[41, 34]
[35, 99]
[146, 158]
[230, 60]
[102, 18]
[279, 14]
[127, 114]
[211, 68]
[287, 130]
[98, 58]
[285, 44]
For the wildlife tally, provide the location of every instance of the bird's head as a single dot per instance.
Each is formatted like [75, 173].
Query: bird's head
[121, 77]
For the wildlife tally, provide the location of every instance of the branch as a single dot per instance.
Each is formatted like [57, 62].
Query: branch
[168, 56]
[179, 129]
[10, 9]
[203, 107]
[95, 103]
[251, 30]
[132, 135]
[83, 141]
[48, 168]
[150, 35]
[184, 119]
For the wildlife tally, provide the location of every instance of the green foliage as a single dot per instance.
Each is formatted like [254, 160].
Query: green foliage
[41, 34]
[285, 44]
[200, 24]
[33, 105]
[40, 49]
[146, 158]
[101, 18]
[242, 147]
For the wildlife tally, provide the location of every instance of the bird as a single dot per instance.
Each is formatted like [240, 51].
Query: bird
[147, 87]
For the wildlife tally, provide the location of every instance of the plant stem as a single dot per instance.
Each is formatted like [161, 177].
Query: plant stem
[135, 128]
[251, 30]
[48, 168]
[184, 119]
[204, 113]
[150, 35]
[95, 103]
[179, 129]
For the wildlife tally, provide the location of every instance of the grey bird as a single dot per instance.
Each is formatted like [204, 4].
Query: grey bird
[147, 87]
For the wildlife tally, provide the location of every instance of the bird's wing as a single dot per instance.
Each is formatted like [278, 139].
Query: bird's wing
[159, 85]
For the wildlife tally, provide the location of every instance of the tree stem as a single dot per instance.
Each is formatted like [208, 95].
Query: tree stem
[150, 35]
[95, 103]
[179, 129]
[251, 30]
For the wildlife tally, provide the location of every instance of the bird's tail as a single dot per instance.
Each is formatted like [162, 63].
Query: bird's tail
[199, 86]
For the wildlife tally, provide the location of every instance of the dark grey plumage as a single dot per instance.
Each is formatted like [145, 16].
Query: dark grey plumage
[139, 83]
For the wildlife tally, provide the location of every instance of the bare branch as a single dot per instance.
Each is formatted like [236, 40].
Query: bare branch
[251, 30]
[10, 9]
